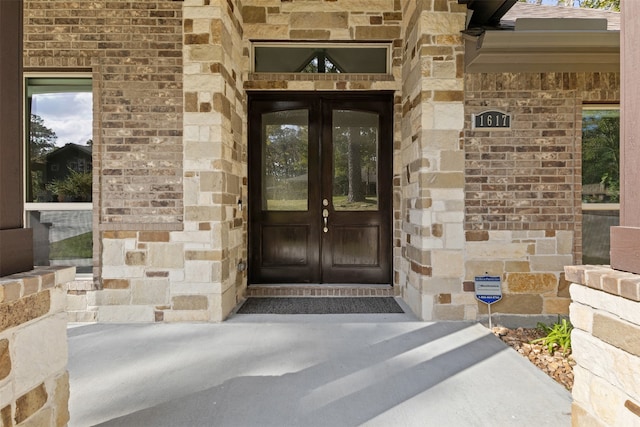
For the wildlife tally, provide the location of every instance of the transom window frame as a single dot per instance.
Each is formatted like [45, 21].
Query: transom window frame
[387, 45]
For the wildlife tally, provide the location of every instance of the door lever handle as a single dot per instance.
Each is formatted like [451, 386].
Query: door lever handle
[325, 218]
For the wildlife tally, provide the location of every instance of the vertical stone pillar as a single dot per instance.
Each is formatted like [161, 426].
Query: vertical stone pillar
[214, 149]
[625, 239]
[16, 243]
[433, 161]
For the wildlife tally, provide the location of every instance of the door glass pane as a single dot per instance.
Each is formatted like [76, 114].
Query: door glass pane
[355, 160]
[285, 158]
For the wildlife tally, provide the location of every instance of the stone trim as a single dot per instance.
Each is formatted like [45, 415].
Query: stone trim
[142, 227]
[34, 385]
[605, 313]
[605, 347]
[602, 278]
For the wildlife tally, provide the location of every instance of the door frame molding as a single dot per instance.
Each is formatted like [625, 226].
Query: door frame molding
[332, 96]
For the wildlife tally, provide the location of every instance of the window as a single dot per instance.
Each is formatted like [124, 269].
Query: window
[600, 180]
[58, 157]
[321, 59]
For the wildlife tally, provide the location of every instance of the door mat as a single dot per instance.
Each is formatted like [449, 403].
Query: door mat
[319, 305]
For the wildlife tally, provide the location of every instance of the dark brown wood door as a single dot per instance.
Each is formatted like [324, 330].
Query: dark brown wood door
[320, 188]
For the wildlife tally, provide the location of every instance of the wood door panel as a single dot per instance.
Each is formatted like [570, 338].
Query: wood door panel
[284, 245]
[355, 246]
[317, 155]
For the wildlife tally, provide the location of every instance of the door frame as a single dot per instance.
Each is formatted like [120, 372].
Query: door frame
[318, 106]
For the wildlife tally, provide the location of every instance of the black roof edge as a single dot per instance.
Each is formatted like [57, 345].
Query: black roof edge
[487, 13]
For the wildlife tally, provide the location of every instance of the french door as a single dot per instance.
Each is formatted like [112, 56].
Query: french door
[320, 188]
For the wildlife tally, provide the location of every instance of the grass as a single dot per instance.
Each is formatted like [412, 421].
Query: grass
[74, 247]
[287, 205]
[340, 203]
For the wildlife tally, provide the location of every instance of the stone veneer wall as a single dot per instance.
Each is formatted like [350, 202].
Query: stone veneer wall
[430, 171]
[215, 160]
[34, 384]
[133, 50]
[169, 160]
[523, 217]
[605, 342]
[429, 116]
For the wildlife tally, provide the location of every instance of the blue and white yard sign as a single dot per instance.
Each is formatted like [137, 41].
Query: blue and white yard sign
[488, 289]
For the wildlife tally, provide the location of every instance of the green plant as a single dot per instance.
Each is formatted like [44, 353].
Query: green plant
[558, 335]
[76, 187]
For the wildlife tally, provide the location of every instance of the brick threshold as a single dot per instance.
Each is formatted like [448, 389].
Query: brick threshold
[305, 290]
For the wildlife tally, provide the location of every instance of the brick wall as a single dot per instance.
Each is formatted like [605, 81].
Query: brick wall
[134, 50]
[523, 216]
[605, 313]
[34, 385]
[527, 178]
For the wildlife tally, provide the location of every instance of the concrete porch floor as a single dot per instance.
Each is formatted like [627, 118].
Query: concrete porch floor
[306, 370]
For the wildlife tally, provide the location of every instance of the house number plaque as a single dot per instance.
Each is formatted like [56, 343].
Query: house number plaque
[491, 120]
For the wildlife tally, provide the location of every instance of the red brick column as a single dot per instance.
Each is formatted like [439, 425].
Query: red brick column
[16, 243]
[625, 240]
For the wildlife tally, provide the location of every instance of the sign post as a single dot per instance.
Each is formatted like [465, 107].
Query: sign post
[489, 291]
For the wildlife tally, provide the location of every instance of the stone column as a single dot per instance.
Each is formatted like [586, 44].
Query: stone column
[433, 162]
[625, 239]
[214, 154]
[16, 243]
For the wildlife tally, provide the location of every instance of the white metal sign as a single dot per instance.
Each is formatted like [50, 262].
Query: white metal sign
[488, 289]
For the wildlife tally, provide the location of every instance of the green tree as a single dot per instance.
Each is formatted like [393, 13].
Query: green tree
[354, 153]
[286, 161]
[41, 142]
[41, 138]
[601, 150]
[613, 5]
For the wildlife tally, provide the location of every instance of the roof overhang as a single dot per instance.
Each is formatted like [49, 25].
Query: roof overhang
[542, 51]
[560, 44]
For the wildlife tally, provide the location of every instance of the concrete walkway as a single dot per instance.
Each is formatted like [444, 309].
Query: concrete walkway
[299, 370]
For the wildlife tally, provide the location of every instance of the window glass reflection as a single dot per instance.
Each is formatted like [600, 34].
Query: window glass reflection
[355, 161]
[285, 160]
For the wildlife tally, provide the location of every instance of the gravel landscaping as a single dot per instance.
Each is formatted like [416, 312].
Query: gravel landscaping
[558, 366]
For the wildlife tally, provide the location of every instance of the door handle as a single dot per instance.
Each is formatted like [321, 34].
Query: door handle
[325, 218]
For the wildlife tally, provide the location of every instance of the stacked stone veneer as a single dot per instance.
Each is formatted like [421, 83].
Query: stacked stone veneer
[523, 186]
[430, 170]
[34, 384]
[215, 154]
[605, 313]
